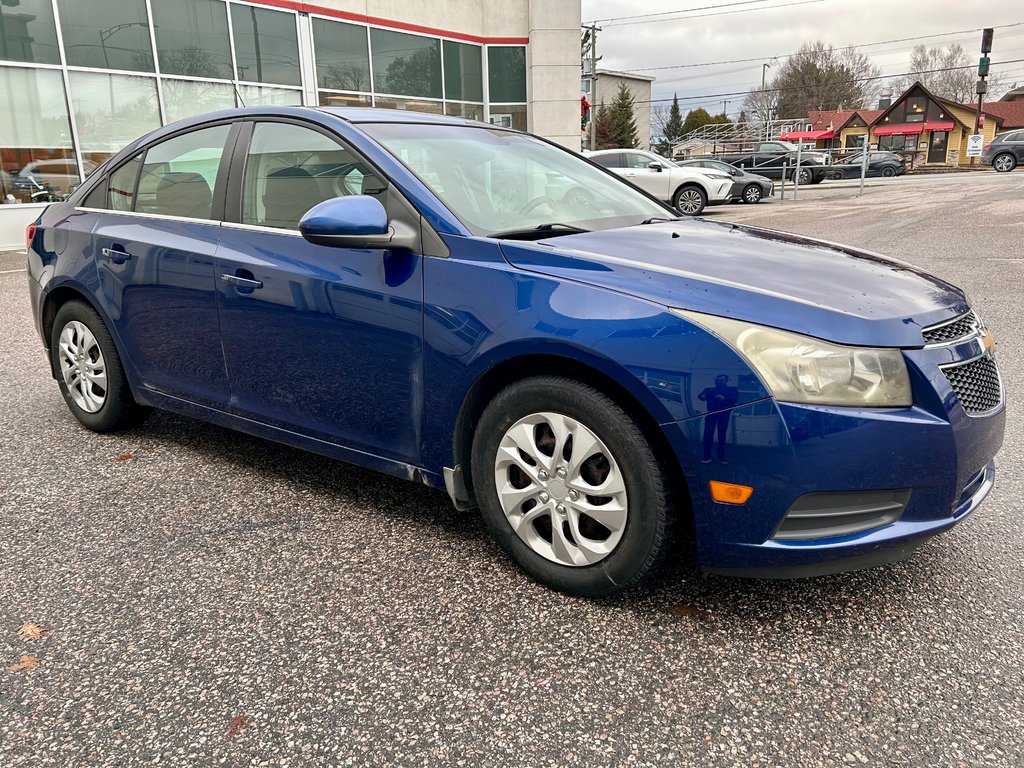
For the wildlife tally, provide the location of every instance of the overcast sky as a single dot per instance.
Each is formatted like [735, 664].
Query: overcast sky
[738, 31]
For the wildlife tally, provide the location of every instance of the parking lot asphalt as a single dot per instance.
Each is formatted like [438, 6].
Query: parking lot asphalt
[210, 598]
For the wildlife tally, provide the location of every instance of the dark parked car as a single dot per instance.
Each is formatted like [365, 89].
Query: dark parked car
[1005, 152]
[886, 164]
[414, 294]
[772, 158]
[746, 187]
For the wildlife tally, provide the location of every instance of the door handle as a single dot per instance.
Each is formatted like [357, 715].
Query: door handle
[242, 283]
[116, 255]
[630, 175]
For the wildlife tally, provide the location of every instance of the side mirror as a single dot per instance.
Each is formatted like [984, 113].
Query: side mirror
[655, 166]
[354, 221]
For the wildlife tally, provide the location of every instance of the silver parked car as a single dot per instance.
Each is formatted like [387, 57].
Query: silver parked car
[688, 190]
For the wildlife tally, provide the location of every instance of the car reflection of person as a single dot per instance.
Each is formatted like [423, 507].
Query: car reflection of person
[720, 398]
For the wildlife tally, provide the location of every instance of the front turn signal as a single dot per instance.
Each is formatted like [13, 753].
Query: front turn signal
[730, 493]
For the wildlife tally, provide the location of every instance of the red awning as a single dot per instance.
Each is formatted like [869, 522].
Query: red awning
[899, 130]
[806, 135]
[930, 126]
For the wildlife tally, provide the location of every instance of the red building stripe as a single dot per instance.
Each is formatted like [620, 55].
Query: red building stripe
[298, 5]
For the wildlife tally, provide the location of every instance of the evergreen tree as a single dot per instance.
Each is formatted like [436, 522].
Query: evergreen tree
[674, 127]
[623, 121]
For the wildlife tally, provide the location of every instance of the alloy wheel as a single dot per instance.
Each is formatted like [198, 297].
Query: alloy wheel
[690, 202]
[752, 194]
[561, 489]
[1004, 163]
[82, 367]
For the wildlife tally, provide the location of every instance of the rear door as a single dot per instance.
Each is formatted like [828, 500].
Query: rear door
[326, 342]
[154, 244]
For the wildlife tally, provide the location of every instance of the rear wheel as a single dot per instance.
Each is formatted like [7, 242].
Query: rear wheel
[89, 371]
[752, 193]
[888, 171]
[570, 487]
[1004, 162]
[690, 200]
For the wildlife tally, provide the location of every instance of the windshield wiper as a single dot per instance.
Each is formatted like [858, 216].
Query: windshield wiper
[656, 219]
[536, 233]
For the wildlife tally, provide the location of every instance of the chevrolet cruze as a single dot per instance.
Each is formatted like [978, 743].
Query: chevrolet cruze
[481, 311]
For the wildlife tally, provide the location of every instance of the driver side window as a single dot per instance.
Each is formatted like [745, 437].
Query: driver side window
[636, 160]
[290, 168]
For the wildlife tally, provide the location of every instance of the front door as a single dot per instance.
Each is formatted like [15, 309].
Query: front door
[326, 342]
[652, 181]
[937, 147]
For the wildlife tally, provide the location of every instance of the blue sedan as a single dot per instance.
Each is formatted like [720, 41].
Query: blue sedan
[484, 312]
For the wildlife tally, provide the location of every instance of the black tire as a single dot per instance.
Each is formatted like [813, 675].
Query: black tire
[888, 171]
[752, 193]
[119, 409]
[647, 533]
[1004, 163]
[803, 176]
[690, 200]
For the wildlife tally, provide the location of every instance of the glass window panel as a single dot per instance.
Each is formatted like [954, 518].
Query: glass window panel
[468, 111]
[112, 111]
[36, 157]
[192, 38]
[184, 98]
[180, 174]
[343, 100]
[509, 116]
[342, 56]
[290, 169]
[109, 34]
[121, 185]
[413, 105]
[253, 95]
[27, 32]
[408, 65]
[266, 46]
[506, 73]
[463, 74]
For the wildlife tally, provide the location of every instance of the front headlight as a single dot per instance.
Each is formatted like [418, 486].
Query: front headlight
[718, 176]
[802, 369]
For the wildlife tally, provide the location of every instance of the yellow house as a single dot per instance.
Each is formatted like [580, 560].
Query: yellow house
[931, 129]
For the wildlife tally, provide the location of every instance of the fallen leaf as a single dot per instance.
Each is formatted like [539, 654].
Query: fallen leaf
[27, 662]
[125, 457]
[688, 611]
[31, 631]
[236, 726]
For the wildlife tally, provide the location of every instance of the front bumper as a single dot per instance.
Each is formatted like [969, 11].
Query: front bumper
[933, 454]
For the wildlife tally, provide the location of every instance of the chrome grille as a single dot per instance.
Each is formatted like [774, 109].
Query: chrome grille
[976, 384]
[959, 328]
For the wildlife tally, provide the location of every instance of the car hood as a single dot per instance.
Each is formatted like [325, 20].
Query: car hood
[759, 275]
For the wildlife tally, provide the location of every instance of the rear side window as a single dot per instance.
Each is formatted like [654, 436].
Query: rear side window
[121, 186]
[1018, 136]
[179, 175]
[612, 160]
[290, 168]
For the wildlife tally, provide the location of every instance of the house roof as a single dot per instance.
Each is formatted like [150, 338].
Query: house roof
[624, 75]
[836, 119]
[1011, 112]
[1014, 94]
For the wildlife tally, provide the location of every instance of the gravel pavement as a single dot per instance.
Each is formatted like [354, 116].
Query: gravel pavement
[209, 598]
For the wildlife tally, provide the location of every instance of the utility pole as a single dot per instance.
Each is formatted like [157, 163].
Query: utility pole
[764, 73]
[593, 29]
[983, 63]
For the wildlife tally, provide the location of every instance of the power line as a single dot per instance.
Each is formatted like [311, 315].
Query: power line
[707, 15]
[678, 10]
[844, 48]
[712, 96]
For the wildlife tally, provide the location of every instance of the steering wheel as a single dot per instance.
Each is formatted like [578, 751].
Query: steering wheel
[537, 201]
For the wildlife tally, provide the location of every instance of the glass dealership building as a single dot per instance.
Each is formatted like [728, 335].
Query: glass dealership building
[79, 79]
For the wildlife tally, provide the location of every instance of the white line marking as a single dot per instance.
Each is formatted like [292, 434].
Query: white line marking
[11, 271]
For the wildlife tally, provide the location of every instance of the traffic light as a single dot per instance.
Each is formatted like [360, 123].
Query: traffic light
[986, 40]
[983, 63]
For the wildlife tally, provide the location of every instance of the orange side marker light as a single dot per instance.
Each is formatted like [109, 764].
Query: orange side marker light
[729, 493]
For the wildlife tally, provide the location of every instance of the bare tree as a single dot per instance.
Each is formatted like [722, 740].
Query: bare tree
[762, 105]
[949, 73]
[820, 77]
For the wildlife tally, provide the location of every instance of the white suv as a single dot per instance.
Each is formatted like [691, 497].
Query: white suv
[687, 189]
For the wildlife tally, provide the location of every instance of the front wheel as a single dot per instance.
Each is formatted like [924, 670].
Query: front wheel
[1004, 163]
[752, 194]
[804, 176]
[690, 200]
[89, 371]
[569, 486]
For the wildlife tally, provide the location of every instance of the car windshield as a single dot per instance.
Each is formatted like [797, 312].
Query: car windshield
[500, 181]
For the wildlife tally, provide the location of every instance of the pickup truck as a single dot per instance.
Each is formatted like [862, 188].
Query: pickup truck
[767, 158]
